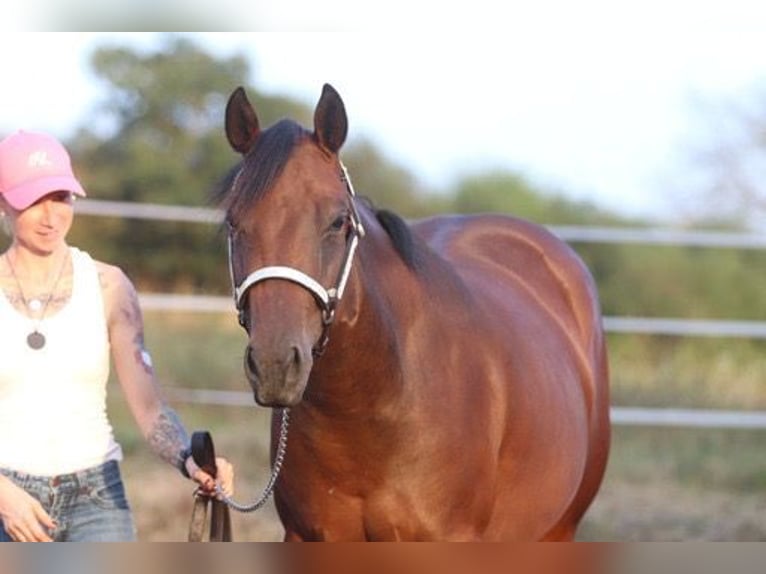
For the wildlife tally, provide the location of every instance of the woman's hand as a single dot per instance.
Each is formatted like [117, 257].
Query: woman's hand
[206, 482]
[23, 517]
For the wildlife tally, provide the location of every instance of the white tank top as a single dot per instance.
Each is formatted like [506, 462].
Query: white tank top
[53, 400]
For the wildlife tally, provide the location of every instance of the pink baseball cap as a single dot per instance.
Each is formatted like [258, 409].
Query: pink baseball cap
[33, 165]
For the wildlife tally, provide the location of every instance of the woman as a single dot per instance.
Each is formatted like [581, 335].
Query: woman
[61, 314]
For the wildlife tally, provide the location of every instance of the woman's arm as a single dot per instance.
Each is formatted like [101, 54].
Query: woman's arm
[158, 422]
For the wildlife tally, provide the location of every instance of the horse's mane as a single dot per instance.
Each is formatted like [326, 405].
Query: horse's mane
[401, 236]
[254, 175]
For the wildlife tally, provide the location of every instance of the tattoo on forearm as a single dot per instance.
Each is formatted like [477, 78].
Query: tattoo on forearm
[167, 437]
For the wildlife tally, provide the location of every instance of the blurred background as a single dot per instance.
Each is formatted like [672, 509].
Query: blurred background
[679, 271]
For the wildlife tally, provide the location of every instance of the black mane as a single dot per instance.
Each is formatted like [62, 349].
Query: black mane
[401, 236]
[258, 170]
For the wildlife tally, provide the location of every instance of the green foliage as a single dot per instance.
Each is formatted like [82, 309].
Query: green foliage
[689, 282]
[384, 183]
[509, 192]
[502, 192]
[165, 145]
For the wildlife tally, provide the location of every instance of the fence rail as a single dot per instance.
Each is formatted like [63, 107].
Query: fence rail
[663, 417]
[656, 236]
[571, 233]
[150, 211]
[634, 325]
[628, 416]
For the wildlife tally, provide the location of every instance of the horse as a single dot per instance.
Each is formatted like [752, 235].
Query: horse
[447, 378]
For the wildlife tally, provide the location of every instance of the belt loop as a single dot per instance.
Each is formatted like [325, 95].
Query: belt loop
[85, 477]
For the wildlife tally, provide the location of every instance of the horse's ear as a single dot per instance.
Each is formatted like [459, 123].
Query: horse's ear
[241, 122]
[330, 122]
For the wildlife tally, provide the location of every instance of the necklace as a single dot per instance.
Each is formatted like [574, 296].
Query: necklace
[36, 340]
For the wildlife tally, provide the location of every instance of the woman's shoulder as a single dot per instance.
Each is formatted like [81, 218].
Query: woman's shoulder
[113, 279]
[109, 269]
[105, 270]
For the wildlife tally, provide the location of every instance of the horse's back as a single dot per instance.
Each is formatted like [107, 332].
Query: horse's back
[501, 252]
[541, 299]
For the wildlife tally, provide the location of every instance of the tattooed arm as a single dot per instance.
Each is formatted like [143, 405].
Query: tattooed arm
[159, 424]
[168, 438]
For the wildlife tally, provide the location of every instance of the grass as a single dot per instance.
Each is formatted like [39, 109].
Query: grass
[661, 484]
[201, 351]
[681, 484]
[663, 371]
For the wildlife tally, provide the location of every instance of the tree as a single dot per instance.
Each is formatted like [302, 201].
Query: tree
[512, 193]
[386, 184]
[158, 138]
[728, 169]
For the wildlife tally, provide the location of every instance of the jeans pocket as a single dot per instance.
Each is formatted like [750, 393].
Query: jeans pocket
[110, 494]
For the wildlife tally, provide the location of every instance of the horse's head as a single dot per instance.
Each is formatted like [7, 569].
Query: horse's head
[293, 230]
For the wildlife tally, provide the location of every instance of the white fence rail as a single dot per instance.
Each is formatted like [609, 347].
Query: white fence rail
[686, 327]
[634, 325]
[700, 418]
[573, 233]
[151, 211]
[638, 325]
[654, 236]
[682, 418]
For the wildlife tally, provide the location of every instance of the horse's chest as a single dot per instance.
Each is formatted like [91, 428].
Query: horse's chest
[340, 517]
[386, 513]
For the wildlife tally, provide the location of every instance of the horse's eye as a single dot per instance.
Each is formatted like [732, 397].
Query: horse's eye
[339, 223]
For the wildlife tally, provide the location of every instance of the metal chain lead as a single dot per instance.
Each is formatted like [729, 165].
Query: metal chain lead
[278, 459]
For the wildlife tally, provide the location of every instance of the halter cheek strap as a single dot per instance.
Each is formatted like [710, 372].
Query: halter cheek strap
[327, 299]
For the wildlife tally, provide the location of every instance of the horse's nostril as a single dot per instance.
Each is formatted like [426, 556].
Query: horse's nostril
[292, 364]
[251, 367]
[297, 356]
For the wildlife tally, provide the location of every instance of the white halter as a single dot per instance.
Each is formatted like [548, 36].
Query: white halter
[327, 299]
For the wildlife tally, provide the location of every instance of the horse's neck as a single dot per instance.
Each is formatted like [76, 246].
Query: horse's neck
[364, 363]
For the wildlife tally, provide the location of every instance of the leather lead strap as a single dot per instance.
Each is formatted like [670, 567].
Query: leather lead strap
[203, 454]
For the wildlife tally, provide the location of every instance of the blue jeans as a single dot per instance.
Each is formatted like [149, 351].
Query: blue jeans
[87, 506]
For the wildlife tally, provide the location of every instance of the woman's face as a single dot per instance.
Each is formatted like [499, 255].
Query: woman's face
[43, 226]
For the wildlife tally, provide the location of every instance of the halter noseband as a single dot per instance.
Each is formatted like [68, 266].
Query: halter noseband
[327, 299]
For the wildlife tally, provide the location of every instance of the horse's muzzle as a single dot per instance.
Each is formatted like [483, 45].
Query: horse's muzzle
[278, 379]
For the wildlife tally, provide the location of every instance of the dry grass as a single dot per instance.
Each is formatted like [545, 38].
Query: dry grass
[669, 511]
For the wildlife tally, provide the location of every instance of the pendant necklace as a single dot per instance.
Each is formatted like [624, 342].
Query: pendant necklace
[36, 340]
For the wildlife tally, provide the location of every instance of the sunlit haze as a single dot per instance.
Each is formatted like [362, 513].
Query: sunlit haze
[600, 110]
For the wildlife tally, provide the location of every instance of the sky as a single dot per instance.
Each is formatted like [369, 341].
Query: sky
[601, 108]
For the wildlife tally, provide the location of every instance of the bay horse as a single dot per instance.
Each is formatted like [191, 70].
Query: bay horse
[457, 391]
